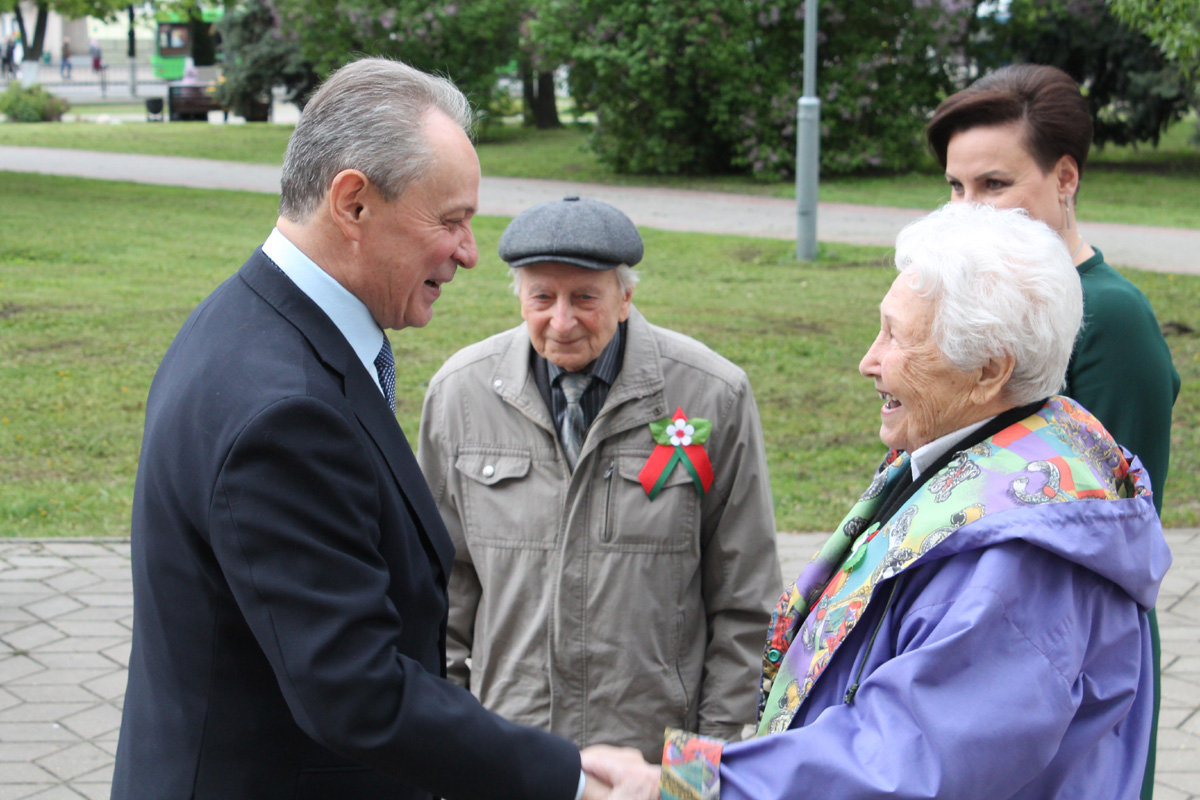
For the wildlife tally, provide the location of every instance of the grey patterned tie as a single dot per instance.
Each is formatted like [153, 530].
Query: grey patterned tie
[573, 429]
[385, 362]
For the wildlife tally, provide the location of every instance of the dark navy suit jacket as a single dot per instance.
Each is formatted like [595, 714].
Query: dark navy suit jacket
[289, 571]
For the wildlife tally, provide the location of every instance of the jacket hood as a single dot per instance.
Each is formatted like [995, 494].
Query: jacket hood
[1120, 540]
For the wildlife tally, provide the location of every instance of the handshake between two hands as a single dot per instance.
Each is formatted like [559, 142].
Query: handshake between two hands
[618, 773]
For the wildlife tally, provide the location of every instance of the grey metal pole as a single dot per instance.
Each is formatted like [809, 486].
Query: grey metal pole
[808, 143]
[132, 56]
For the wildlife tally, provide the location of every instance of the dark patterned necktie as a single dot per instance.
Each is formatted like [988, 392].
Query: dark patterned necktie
[574, 429]
[386, 364]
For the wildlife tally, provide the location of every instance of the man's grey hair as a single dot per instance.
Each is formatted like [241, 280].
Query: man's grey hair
[1002, 283]
[627, 278]
[370, 116]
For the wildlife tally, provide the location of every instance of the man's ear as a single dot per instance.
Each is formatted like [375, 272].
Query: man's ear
[626, 300]
[346, 201]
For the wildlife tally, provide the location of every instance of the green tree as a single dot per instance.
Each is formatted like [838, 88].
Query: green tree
[468, 41]
[259, 55]
[1134, 91]
[712, 85]
[536, 67]
[1173, 25]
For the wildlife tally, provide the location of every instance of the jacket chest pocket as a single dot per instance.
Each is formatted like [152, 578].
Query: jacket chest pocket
[504, 500]
[629, 519]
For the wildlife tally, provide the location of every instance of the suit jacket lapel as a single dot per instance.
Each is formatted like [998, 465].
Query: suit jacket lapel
[372, 411]
[363, 395]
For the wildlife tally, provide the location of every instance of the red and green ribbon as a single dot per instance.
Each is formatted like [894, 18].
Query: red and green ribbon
[680, 441]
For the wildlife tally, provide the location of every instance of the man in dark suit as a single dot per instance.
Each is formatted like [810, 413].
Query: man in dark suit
[289, 564]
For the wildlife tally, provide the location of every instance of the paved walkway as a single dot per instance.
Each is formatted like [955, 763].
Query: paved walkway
[65, 615]
[1158, 249]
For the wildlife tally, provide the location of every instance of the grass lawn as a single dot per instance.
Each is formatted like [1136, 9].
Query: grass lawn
[1143, 186]
[89, 304]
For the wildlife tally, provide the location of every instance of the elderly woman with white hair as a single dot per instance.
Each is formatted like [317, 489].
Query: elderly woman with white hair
[976, 626]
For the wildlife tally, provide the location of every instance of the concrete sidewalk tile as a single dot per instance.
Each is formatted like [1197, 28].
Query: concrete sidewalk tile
[24, 590]
[41, 712]
[1165, 792]
[59, 676]
[94, 790]
[77, 550]
[113, 599]
[14, 772]
[29, 751]
[8, 699]
[102, 613]
[94, 722]
[1180, 691]
[74, 761]
[1188, 664]
[1177, 739]
[14, 613]
[31, 574]
[53, 607]
[82, 644]
[72, 581]
[1180, 642]
[73, 661]
[90, 628]
[34, 732]
[32, 637]
[1176, 784]
[53, 693]
[1176, 760]
[59, 792]
[16, 667]
[114, 570]
[1173, 717]
[1175, 584]
[109, 686]
[119, 653]
[50, 563]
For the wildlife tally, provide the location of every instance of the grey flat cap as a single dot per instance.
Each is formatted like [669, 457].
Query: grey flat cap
[574, 230]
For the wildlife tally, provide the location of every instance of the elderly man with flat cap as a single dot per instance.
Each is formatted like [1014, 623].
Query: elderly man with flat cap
[605, 485]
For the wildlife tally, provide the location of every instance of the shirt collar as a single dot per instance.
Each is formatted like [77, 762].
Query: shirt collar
[926, 454]
[349, 314]
[605, 367]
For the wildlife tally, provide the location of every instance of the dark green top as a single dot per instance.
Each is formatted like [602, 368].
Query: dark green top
[1121, 368]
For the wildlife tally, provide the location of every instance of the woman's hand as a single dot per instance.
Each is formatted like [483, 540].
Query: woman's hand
[618, 773]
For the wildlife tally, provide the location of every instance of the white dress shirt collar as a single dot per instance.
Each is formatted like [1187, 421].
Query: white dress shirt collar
[923, 457]
[346, 311]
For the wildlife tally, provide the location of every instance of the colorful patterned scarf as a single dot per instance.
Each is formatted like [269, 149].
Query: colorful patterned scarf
[1060, 454]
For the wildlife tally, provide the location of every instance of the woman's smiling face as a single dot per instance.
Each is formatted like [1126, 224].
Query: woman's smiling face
[925, 396]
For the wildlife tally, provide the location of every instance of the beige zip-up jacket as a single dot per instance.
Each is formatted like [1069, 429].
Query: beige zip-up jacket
[577, 604]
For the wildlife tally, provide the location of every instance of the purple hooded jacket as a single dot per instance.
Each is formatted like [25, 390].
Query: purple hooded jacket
[1014, 663]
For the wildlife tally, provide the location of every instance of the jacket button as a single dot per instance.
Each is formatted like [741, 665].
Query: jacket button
[489, 471]
[497, 383]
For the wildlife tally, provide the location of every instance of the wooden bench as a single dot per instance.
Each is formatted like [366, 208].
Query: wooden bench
[191, 103]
